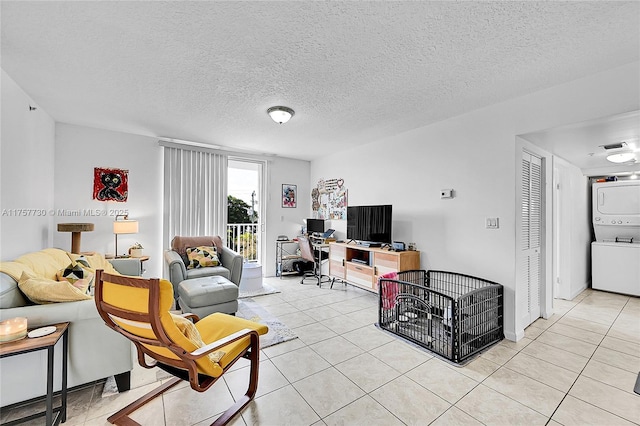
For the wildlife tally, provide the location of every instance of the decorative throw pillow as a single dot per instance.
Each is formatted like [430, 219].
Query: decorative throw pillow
[83, 261]
[191, 332]
[77, 276]
[42, 290]
[202, 256]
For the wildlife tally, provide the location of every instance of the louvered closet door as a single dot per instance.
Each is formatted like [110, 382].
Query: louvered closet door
[530, 256]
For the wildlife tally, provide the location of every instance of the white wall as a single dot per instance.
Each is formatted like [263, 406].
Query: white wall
[142, 156]
[284, 221]
[475, 155]
[78, 151]
[26, 173]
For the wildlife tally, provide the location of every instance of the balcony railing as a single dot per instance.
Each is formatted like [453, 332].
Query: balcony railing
[243, 238]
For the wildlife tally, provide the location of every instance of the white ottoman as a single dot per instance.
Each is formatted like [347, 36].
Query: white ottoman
[251, 277]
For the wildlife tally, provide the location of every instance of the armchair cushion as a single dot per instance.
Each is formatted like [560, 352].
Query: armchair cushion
[207, 272]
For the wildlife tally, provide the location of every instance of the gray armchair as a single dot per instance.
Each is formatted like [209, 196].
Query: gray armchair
[230, 268]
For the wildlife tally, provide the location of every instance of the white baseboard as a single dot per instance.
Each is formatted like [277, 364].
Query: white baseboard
[514, 337]
[580, 289]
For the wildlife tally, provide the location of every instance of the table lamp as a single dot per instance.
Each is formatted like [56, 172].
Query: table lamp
[124, 226]
[76, 229]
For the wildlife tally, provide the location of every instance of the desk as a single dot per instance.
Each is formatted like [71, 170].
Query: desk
[286, 254]
[36, 344]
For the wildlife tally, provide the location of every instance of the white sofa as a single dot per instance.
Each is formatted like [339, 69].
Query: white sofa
[95, 351]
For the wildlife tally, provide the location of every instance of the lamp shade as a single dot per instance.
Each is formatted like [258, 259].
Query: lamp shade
[280, 114]
[125, 227]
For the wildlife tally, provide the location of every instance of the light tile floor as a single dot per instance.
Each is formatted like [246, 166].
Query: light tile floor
[576, 368]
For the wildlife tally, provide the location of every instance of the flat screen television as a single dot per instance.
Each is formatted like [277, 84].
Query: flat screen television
[315, 226]
[369, 224]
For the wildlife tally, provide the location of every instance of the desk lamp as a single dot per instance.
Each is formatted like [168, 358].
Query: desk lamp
[124, 226]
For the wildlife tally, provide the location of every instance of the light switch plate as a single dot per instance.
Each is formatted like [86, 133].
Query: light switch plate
[493, 223]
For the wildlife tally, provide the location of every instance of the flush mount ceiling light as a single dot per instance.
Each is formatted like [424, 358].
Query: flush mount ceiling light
[280, 114]
[622, 157]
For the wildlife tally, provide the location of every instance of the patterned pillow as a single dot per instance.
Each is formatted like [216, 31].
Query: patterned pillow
[191, 332]
[75, 275]
[202, 256]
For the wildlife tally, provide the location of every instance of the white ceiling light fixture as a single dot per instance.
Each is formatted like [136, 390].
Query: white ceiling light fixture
[623, 157]
[280, 114]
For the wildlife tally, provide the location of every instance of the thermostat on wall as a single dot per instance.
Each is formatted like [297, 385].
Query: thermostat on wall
[446, 193]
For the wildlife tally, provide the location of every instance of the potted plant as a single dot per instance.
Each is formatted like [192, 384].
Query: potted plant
[136, 250]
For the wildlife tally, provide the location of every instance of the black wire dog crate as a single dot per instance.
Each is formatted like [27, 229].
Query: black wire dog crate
[454, 315]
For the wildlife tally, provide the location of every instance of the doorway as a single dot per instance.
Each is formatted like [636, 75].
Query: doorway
[245, 225]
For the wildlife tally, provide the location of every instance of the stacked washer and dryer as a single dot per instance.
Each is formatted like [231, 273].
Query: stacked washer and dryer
[615, 254]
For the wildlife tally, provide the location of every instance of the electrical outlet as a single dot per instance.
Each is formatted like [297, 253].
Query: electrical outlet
[493, 223]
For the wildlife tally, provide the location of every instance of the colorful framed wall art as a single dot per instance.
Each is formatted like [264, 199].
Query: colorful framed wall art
[289, 195]
[110, 184]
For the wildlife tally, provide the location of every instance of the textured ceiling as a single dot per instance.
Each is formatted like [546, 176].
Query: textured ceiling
[582, 143]
[352, 71]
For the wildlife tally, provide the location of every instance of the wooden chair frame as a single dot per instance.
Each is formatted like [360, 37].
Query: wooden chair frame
[185, 367]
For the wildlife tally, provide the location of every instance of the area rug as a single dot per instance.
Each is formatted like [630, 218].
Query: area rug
[266, 289]
[278, 332]
[247, 309]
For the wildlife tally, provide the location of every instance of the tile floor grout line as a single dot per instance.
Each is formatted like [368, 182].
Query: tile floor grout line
[585, 366]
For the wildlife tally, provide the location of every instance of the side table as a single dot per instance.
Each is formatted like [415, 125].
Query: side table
[47, 342]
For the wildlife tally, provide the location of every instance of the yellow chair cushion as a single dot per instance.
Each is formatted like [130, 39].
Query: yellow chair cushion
[42, 290]
[209, 329]
[219, 325]
[137, 299]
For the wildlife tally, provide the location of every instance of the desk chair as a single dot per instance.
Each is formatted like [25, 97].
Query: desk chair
[311, 254]
[199, 353]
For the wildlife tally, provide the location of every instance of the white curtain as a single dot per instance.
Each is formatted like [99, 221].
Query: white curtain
[195, 192]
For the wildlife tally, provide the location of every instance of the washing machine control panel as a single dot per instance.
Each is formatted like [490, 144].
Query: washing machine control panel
[617, 220]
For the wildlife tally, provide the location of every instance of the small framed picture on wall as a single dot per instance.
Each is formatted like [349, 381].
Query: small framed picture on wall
[289, 195]
[110, 184]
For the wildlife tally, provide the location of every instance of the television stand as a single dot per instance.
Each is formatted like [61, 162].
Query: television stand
[362, 266]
